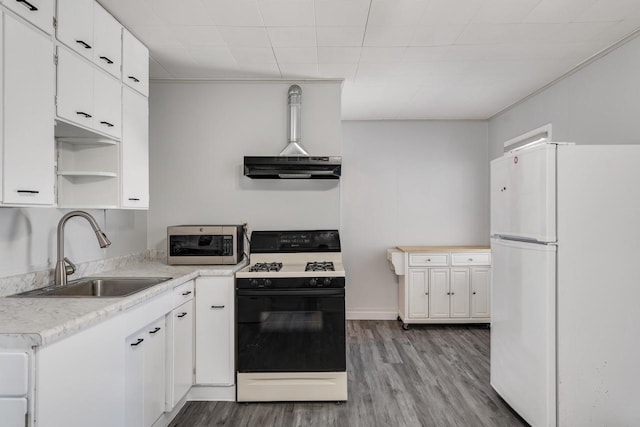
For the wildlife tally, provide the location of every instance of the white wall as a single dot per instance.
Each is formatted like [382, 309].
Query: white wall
[199, 134]
[407, 183]
[28, 237]
[599, 104]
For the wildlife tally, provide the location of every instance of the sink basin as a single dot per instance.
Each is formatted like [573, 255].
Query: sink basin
[98, 287]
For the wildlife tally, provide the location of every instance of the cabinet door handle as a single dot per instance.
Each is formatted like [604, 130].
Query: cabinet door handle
[28, 5]
[428, 259]
[134, 79]
[448, 293]
[426, 293]
[181, 315]
[107, 60]
[83, 43]
[85, 115]
[137, 342]
[474, 292]
[107, 124]
[155, 330]
[217, 306]
[186, 293]
[470, 259]
[452, 293]
[134, 199]
[28, 191]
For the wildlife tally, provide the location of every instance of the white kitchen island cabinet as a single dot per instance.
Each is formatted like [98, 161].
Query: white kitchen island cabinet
[443, 284]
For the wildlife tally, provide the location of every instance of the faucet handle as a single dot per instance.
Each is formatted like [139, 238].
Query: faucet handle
[69, 269]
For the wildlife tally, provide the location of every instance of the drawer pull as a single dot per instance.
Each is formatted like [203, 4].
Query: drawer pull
[134, 199]
[134, 79]
[155, 330]
[82, 113]
[28, 191]
[470, 259]
[28, 5]
[181, 315]
[428, 259]
[217, 306]
[137, 342]
[107, 124]
[83, 43]
[186, 293]
[107, 60]
[448, 293]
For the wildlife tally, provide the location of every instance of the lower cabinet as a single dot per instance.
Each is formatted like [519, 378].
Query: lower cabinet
[145, 367]
[181, 353]
[215, 330]
[14, 388]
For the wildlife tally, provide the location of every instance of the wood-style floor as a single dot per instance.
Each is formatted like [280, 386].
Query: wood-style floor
[427, 376]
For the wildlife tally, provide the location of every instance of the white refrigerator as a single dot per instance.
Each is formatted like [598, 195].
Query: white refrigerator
[565, 329]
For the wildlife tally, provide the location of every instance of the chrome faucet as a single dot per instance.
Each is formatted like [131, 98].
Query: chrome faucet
[62, 269]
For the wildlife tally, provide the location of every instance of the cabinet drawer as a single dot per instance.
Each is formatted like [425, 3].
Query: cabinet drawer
[471, 259]
[14, 374]
[183, 293]
[422, 260]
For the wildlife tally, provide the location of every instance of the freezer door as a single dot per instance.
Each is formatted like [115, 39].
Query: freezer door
[523, 194]
[523, 318]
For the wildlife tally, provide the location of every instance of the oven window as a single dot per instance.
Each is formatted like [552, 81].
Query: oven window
[201, 245]
[291, 333]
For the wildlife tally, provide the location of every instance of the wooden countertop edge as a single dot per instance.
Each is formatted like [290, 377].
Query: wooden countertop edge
[443, 248]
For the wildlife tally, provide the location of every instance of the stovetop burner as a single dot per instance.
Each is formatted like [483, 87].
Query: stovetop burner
[320, 266]
[266, 266]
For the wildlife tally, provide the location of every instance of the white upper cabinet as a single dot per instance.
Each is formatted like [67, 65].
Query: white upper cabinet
[135, 63]
[75, 89]
[107, 40]
[134, 168]
[107, 104]
[28, 131]
[38, 12]
[75, 25]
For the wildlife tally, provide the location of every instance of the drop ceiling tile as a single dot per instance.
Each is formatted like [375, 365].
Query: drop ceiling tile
[610, 10]
[437, 35]
[382, 54]
[184, 12]
[558, 12]
[245, 36]
[292, 36]
[155, 36]
[443, 12]
[383, 36]
[424, 54]
[504, 11]
[368, 73]
[341, 12]
[337, 71]
[296, 55]
[197, 36]
[340, 36]
[171, 57]
[585, 32]
[396, 12]
[251, 55]
[236, 13]
[287, 13]
[258, 70]
[219, 57]
[131, 14]
[481, 33]
[156, 71]
[339, 54]
[309, 71]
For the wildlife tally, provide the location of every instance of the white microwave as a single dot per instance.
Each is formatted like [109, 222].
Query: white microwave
[205, 244]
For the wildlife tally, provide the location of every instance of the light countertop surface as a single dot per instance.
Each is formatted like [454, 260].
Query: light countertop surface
[443, 248]
[28, 322]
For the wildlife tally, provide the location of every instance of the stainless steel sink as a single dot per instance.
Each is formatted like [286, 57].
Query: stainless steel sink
[97, 287]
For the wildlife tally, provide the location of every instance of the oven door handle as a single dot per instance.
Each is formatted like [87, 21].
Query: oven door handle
[290, 292]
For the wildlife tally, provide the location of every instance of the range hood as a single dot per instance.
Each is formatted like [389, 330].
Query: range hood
[293, 162]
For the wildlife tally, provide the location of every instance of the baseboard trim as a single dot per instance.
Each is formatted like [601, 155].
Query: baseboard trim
[212, 393]
[371, 315]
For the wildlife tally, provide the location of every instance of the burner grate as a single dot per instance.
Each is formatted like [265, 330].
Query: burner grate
[265, 267]
[320, 266]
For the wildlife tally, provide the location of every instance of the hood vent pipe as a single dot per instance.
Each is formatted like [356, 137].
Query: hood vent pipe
[294, 147]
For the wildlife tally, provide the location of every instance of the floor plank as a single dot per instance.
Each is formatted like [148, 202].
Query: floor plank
[431, 376]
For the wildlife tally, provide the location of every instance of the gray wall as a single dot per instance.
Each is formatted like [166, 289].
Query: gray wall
[28, 237]
[199, 134]
[599, 104]
[408, 183]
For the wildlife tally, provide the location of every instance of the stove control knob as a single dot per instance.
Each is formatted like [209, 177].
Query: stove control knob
[327, 281]
[267, 283]
[254, 283]
[313, 282]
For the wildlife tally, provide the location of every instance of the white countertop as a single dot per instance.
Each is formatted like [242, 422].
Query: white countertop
[27, 322]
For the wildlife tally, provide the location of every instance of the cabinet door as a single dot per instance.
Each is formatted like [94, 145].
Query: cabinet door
[135, 150]
[107, 40]
[14, 411]
[38, 12]
[418, 293]
[214, 330]
[107, 104]
[182, 351]
[134, 380]
[439, 293]
[29, 145]
[75, 89]
[481, 292]
[154, 372]
[75, 25]
[135, 63]
[459, 292]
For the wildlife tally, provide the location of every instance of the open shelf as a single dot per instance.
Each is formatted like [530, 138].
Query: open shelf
[88, 173]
